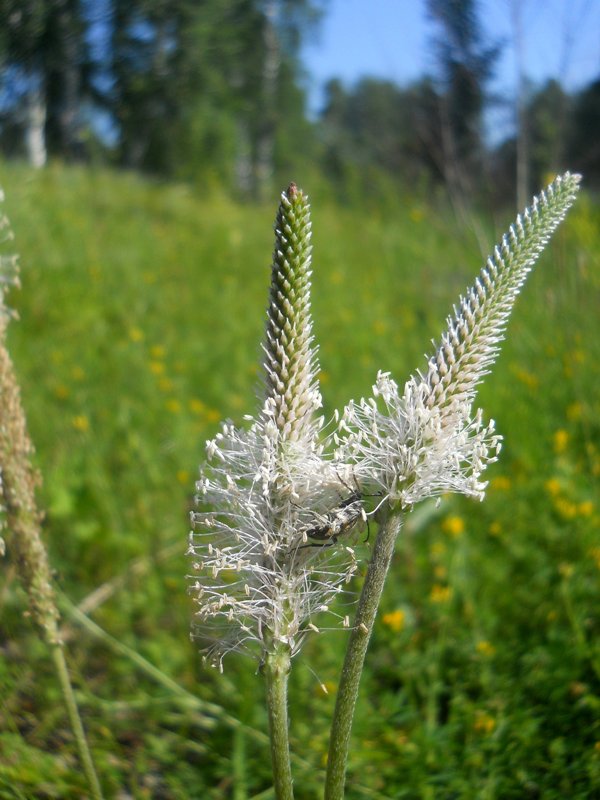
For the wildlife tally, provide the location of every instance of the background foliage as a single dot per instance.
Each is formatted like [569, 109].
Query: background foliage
[213, 93]
[145, 274]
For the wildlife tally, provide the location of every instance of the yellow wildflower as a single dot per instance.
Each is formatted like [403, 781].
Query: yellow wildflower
[61, 391]
[586, 508]
[531, 381]
[157, 351]
[566, 508]
[136, 334]
[485, 648]
[455, 526]
[501, 482]
[196, 406]
[440, 594]
[561, 439]
[553, 486]
[394, 620]
[157, 367]
[81, 423]
[484, 723]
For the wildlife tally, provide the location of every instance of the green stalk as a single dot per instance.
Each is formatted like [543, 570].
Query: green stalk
[276, 670]
[355, 656]
[58, 656]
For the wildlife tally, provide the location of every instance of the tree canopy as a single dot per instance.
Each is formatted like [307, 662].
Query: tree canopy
[213, 91]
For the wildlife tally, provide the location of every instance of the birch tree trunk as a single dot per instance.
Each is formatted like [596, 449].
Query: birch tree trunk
[70, 78]
[35, 130]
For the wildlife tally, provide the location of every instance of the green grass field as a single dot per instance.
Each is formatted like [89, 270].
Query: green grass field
[141, 315]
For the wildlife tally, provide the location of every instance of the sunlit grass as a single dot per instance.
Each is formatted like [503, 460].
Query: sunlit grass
[141, 312]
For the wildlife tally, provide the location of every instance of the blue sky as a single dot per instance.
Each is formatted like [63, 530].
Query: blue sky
[390, 38]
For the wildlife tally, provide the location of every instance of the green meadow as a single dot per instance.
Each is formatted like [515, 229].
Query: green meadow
[140, 320]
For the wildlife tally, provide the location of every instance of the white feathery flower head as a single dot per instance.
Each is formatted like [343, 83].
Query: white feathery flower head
[428, 441]
[250, 541]
[403, 447]
[266, 490]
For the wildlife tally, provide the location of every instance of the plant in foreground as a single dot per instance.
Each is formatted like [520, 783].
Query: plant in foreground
[21, 517]
[278, 500]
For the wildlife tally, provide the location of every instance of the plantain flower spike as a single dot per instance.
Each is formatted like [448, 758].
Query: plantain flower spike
[258, 580]
[20, 515]
[427, 440]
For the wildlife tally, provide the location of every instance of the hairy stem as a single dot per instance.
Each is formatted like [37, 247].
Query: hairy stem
[355, 656]
[276, 670]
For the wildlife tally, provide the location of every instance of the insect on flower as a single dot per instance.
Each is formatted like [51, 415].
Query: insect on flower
[337, 522]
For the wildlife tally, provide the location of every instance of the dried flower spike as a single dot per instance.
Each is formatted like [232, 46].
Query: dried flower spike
[18, 483]
[18, 478]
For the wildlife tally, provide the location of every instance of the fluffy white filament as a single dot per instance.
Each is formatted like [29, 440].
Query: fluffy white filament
[264, 489]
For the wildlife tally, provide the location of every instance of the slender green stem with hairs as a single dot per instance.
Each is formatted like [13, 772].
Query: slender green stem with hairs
[276, 670]
[355, 656]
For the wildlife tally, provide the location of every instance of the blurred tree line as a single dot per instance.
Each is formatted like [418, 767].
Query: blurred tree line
[211, 91]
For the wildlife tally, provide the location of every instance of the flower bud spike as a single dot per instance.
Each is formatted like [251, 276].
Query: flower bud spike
[427, 441]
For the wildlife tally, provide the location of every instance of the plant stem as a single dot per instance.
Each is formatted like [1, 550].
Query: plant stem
[276, 670]
[58, 656]
[355, 656]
